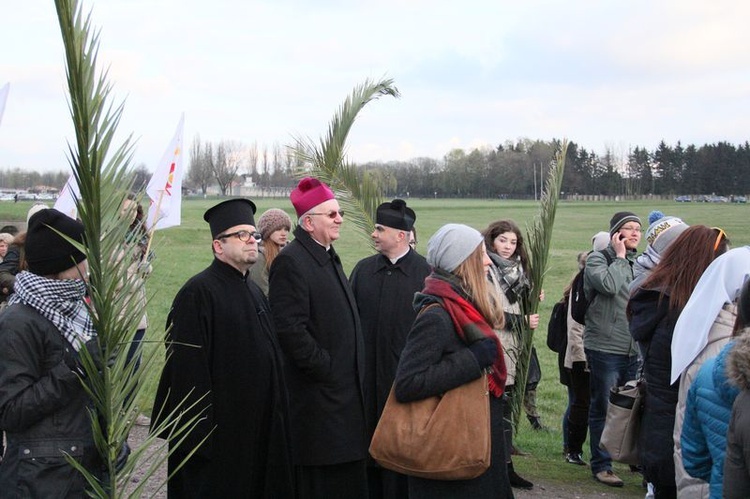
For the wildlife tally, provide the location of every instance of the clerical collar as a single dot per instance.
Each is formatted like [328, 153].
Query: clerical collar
[394, 260]
[326, 247]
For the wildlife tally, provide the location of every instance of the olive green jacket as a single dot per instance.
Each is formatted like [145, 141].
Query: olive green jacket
[606, 324]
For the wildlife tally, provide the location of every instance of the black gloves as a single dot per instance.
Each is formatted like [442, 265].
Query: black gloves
[485, 351]
[72, 358]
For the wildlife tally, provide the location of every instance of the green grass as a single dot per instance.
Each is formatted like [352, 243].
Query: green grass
[183, 251]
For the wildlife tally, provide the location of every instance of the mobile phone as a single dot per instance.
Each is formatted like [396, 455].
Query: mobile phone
[622, 236]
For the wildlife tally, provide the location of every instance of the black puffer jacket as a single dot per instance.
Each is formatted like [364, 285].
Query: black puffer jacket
[43, 410]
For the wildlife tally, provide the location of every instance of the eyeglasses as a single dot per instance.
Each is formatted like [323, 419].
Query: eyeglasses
[331, 214]
[719, 237]
[636, 228]
[242, 235]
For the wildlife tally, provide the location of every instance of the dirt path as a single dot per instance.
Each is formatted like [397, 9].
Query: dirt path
[137, 436]
[541, 489]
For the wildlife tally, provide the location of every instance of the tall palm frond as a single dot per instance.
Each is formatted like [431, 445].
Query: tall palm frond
[539, 237]
[326, 160]
[104, 178]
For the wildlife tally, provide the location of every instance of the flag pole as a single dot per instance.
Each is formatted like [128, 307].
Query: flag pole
[153, 223]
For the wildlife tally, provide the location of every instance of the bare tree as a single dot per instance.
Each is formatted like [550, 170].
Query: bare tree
[252, 161]
[276, 159]
[200, 173]
[141, 177]
[264, 158]
[227, 162]
[289, 161]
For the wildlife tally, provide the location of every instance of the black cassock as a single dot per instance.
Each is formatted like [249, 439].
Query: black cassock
[384, 294]
[224, 348]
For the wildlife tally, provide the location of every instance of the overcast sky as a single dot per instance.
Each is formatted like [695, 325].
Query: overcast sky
[471, 74]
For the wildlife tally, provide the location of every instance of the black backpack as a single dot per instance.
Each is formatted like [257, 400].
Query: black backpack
[579, 301]
[557, 328]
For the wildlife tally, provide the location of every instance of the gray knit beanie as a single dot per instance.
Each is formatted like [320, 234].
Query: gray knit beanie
[451, 245]
[272, 220]
[663, 232]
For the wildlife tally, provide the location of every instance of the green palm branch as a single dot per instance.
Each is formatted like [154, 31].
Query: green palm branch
[326, 160]
[539, 237]
[104, 176]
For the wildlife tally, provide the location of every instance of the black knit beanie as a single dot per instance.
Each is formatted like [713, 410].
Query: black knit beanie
[47, 252]
[621, 218]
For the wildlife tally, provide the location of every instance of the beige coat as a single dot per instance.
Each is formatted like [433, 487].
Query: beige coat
[574, 352]
[718, 336]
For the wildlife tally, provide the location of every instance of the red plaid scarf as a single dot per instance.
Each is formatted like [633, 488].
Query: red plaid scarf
[470, 326]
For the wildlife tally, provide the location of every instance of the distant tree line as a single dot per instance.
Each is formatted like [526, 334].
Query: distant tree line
[518, 169]
[17, 179]
[514, 169]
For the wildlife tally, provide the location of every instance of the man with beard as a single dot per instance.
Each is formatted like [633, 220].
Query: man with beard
[224, 365]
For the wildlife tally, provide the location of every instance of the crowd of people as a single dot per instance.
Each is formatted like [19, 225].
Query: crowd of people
[283, 363]
[665, 317]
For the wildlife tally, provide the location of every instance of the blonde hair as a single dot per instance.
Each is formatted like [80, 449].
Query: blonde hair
[473, 276]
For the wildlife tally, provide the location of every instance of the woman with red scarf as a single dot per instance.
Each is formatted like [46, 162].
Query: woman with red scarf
[451, 344]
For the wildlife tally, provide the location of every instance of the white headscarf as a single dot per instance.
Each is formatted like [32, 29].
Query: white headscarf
[721, 283]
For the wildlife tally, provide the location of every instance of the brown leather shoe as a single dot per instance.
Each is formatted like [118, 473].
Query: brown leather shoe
[607, 477]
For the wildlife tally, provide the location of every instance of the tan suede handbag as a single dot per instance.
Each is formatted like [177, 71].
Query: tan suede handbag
[623, 424]
[441, 438]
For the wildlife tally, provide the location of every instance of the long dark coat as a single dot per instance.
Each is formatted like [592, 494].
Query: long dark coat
[44, 410]
[319, 330]
[385, 295]
[224, 349]
[652, 325]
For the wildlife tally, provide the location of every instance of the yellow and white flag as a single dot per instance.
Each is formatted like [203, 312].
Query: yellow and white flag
[165, 187]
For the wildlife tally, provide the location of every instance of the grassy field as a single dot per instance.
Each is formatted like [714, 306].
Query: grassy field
[185, 250]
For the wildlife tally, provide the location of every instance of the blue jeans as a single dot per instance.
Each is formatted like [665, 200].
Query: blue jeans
[607, 370]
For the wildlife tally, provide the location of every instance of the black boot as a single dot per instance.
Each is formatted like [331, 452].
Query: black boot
[516, 480]
[536, 422]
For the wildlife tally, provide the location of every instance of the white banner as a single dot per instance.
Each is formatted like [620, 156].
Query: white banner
[165, 187]
[66, 200]
[3, 97]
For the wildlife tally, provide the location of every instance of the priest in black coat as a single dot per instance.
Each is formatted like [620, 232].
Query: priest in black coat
[319, 330]
[224, 365]
[384, 285]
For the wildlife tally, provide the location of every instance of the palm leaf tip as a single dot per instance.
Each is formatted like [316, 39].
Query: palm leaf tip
[539, 237]
[360, 194]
